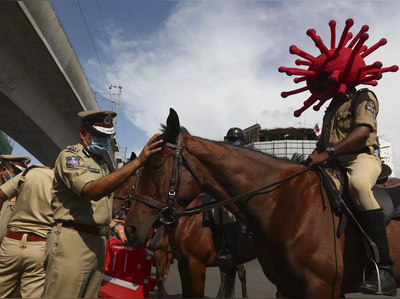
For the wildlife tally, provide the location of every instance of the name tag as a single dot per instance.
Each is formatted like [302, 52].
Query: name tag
[94, 170]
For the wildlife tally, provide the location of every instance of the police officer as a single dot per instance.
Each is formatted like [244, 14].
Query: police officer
[349, 133]
[235, 136]
[23, 247]
[82, 203]
[10, 166]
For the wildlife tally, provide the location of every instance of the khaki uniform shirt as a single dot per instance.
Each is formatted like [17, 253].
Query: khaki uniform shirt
[345, 113]
[5, 215]
[33, 212]
[75, 167]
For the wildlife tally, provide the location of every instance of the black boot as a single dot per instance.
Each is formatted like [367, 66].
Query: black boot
[373, 223]
[225, 257]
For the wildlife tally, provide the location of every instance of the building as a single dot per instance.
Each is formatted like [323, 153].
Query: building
[386, 154]
[281, 142]
[6, 144]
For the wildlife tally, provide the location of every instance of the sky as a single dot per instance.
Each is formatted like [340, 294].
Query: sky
[216, 62]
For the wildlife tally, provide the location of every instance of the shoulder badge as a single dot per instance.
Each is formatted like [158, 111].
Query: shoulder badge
[371, 106]
[72, 162]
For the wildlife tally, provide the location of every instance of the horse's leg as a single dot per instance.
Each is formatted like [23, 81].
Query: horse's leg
[169, 258]
[242, 276]
[198, 277]
[159, 258]
[186, 281]
[222, 271]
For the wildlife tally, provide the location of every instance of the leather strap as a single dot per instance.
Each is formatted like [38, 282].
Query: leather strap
[31, 237]
[89, 229]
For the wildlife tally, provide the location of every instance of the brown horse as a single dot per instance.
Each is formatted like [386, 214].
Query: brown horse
[294, 235]
[162, 256]
[192, 245]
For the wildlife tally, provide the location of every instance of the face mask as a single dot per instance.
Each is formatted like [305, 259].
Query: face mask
[100, 145]
[11, 176]
[236, 143]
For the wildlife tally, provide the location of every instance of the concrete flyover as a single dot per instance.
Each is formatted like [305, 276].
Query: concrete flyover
[42, 85]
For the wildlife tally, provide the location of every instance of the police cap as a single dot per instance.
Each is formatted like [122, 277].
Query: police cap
[100, 121]
[21, 162]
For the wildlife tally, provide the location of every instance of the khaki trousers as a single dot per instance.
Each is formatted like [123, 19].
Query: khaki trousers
[362, 170]
[5, 215]
[74, 264]
[21, 262]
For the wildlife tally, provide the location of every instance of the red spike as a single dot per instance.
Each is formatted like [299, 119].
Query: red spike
[300, 79]
[363, 48]
[318, 42]
[294, 50]
[334, 76]
[302, 62]
[311, 100]
[393, 68]
[294, 71]
[317, 107]
[361, 41]
[373, 83]
[382, 42]
[376, 76]
[375, 65]
[282, 69]
[363, 29]
[342, 89]
[332, 24]
[348, 37]
[285, 94]
[349, 23]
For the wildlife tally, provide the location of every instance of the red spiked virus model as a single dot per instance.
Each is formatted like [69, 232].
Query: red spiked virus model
[336, 69]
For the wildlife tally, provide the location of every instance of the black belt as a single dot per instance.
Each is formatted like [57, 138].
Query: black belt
[363, 150]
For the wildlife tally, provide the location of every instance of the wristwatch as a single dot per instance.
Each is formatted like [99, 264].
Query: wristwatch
[331, 151]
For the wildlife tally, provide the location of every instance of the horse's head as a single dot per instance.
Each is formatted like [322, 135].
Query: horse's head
[123, 195]
[167, 184]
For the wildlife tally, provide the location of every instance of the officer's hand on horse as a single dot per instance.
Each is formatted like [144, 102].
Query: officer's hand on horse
[149, 149]
[316, 158]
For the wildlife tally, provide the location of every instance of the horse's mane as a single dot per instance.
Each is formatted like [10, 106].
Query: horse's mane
[296, 158]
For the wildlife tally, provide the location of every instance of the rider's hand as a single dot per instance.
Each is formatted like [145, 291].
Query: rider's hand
[316, 158]
[149, 149]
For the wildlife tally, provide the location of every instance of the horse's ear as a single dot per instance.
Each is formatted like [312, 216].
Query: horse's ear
[173, 126]
[133, 156]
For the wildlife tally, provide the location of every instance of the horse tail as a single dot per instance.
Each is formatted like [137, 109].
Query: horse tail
[229, 290]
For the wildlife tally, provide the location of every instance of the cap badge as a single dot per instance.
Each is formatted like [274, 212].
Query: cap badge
[108, 119]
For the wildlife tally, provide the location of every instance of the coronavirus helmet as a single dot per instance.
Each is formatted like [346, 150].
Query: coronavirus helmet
[336, 69]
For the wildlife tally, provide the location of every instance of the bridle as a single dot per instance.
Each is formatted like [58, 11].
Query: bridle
[168, 215]
[127, 201]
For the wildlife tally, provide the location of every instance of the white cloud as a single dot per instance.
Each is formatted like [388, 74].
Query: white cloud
[216, 63]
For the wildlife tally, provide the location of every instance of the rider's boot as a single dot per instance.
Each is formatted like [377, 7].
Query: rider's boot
[230, 238]
[373, 223]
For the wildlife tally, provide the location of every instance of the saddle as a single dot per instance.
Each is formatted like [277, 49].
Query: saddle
[214, 219]
[335, 182]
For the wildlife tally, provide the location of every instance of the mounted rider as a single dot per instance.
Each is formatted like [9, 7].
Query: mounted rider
[235, 136]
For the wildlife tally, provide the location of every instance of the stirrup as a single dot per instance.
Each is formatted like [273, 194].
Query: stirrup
[371, 261]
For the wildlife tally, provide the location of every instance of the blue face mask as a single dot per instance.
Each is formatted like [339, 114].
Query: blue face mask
[100, 145]
[11, 176]
[236, 143]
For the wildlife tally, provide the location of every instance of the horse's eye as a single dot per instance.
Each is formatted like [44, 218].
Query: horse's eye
[157, 166]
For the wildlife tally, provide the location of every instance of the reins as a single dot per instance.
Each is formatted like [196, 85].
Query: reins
[167, 209]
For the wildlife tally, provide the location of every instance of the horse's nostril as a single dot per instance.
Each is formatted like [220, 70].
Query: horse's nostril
[130, 231]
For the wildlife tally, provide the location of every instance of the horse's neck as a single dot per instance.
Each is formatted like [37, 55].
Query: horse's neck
[230, 171]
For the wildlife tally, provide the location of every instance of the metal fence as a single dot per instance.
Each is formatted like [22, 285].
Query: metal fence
[284, 148]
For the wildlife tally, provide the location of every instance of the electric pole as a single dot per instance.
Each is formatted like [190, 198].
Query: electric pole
[119, 97]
